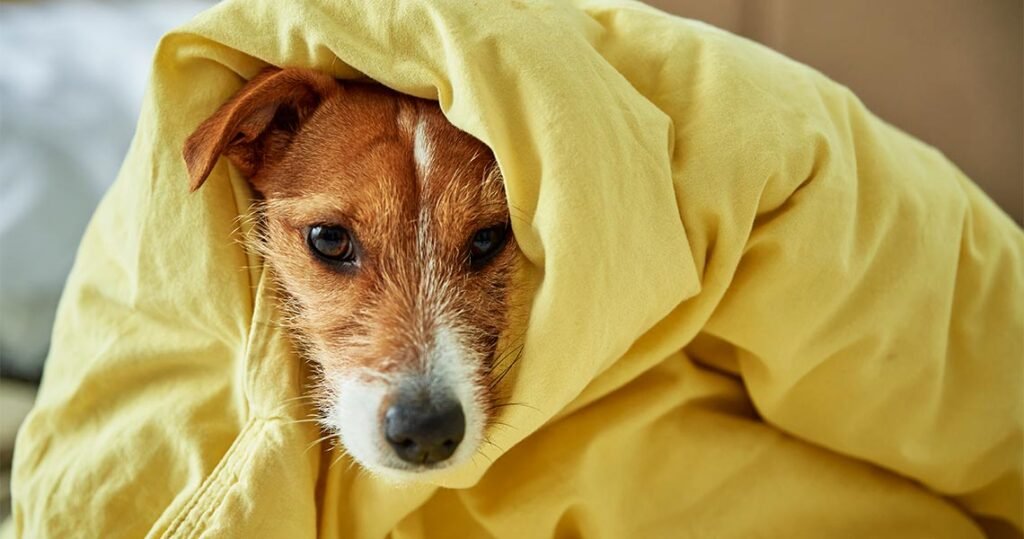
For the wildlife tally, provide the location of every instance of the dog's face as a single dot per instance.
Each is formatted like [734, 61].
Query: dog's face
[388, 231]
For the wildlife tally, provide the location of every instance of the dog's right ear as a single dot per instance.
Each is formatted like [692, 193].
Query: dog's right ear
[257, 122]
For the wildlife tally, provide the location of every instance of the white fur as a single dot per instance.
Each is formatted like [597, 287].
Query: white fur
[422, 151]
[355, 417]
[356, 413]
[450, 365]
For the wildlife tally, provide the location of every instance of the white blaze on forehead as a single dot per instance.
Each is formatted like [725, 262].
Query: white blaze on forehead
[421, 150]
[431, 296]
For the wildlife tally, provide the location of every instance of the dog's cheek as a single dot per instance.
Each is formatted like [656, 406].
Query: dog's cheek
[492, 296]
[313, 297]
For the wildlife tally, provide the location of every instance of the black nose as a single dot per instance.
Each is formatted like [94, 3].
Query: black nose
[424, 431]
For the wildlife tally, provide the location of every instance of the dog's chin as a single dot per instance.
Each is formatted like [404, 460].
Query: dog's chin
[355, 419]
[404, 474]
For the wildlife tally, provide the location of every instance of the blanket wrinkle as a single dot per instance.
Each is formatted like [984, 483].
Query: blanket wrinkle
[750, 307]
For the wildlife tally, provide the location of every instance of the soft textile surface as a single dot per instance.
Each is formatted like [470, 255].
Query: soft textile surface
[757, 310]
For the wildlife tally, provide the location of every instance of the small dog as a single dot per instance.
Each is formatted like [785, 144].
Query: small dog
[388, 231]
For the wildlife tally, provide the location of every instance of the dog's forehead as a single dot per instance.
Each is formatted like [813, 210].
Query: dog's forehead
[382, 159]
[369, 118]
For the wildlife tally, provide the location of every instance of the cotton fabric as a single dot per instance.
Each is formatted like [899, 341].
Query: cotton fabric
[755, 309]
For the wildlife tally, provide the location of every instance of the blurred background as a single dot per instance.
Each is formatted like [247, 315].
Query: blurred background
[950, 72]
[71, 86]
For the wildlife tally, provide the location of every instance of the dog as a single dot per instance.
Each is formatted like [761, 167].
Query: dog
[387, 230]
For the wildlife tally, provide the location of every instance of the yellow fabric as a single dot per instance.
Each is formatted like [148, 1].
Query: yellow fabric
[757, 310]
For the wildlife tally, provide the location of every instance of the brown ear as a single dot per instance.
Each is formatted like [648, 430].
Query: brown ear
[256, 121]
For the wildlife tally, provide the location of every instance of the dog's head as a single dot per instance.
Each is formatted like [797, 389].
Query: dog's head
[388, 231]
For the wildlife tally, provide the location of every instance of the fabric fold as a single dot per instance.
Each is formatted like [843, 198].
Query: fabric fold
[750, 307]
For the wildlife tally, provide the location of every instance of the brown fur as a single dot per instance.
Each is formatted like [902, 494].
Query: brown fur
[321, 152]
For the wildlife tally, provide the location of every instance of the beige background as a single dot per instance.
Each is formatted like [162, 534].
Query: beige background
[950, 72]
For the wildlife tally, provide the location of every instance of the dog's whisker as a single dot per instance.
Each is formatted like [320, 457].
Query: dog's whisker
[523, 404]
[484, 455]
[490, 443]
[295, 401]
[318, 441]
[502, 424]
[507, 369]
[351, 465]
[510, 353]
[298, 398]
[311, 420]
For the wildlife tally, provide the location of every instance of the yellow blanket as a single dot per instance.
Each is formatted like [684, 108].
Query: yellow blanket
[757, 310]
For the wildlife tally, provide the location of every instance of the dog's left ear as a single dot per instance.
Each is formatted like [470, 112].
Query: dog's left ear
[257, 123]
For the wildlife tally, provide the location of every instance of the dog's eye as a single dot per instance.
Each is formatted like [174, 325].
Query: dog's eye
[486, 243]
[333, 243]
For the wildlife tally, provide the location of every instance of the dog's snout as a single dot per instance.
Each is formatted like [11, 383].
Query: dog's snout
[423, 430]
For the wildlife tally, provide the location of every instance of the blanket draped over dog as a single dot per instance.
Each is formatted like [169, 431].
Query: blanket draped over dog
[756, 310]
